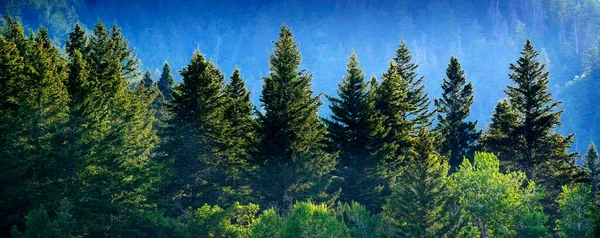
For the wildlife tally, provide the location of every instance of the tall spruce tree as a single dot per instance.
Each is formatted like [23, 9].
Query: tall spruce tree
[242, 141]
[418, 204]
[356, 131]
[14, 170]
[147, 80]
[192, 140]
[166, 81]
[391, 96]
[238, 113]
[291, 154]
[113, 145]
[459, 137]
[419, 115]
[522, 131]
[31, 124]
[592, 166]
[77, 41]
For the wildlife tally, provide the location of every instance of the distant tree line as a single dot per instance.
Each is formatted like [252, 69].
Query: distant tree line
[86, 153]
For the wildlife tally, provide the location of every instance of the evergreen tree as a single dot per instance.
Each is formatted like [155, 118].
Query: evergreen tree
[291, 155]
[242, 140]
[13, 171]
[419, 114]
[391, 103]
[77, 41]
[417, 205]
[238, 113]
[459, 137]
[166, 82]
[125, 55]
[147, 80]
[523, 127]
[147, 90]
[357, 132]
[592, 166]
[31, 124]
[193, 137]
[114, 178]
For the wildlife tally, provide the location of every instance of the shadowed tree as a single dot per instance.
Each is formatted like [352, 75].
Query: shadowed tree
[291, 153]
[459, 137]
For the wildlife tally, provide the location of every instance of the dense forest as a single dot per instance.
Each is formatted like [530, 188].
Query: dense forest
[92, 145]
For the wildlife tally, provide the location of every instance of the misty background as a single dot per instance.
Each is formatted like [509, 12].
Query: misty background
[485, 35]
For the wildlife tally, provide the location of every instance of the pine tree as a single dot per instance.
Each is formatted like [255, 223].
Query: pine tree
[113, 145]
[459, 137]
[238, 113]
[523, 127]
[147, 80]
[13, 171]
[125, 55]
[166, 82]
[356, 131]
[293, 163]
[592, 166]
[77, 41]
[242, 141]
[193, 137]
[417, 205]
[391, 103]
[32, 121]
[419, 115]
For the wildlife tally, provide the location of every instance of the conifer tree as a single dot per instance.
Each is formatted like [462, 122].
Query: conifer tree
[193, 137]
[291, 154]
[238, 113]
[419, 115]
[391, 96]
[125, 55]
[592, 166]
[459, 137]
[417, 205]
[32, 125]
[147, 80]
[113, 173]
[13, 171]
[166, 82]
[77, 41]
[242, 141]
[356, 131]
[523, 127]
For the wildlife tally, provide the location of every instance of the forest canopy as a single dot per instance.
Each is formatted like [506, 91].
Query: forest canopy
[94, 144]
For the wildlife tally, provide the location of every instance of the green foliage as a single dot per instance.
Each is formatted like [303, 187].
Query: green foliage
[291, 153]
[419, 114]
[498, 204]
[578, 213]
[417, 205]
[304, 220]
[523, 127]
[166, 82]
[360, 222]
[459, 137]
[391, 96]
[41, 223]
[193, 140]
[77, 41]
[213, 221]
[356, 131]
[591, 165]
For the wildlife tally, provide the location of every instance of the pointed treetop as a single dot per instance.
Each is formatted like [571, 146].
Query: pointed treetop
[166, 81]
[147, 80]
[77, 41]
